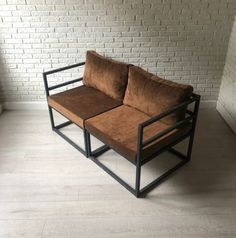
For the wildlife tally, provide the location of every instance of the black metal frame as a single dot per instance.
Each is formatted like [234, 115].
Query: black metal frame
[57, 128]
[140, 161]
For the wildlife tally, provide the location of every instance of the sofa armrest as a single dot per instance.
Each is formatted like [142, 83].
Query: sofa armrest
[45, 74]
[192, 117]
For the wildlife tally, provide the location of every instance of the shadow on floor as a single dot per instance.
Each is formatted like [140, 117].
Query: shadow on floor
[213, 164]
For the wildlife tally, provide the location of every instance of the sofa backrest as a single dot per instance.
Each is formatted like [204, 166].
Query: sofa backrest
[106, 75]
[153, 95]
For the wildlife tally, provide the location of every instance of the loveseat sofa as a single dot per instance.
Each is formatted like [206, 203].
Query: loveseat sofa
[137, 114]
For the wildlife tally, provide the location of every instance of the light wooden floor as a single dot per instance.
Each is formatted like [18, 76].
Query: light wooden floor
[48, 189]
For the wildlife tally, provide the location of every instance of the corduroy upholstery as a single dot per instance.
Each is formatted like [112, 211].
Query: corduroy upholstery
[106, 75]
[153, 95]
[118, 128]
[81, 103]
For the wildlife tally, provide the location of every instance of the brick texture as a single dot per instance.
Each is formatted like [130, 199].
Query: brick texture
[182, 40]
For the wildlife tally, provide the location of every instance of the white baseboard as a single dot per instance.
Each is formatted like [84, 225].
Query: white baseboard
[25, 106]
[226, 115]
[42, 105]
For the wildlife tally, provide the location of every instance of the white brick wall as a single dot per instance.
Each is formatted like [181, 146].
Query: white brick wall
[226, 103]
[181, 40]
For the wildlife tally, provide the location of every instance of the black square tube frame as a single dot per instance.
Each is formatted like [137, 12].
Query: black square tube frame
[140, 160]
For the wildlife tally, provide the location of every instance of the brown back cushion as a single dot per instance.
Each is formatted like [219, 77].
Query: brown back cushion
[153, 95]
[106, 75]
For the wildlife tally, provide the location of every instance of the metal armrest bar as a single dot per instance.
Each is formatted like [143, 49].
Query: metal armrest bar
[47, 89]
[65, 83]
[166, 131]
[163, 114]
[63, 68]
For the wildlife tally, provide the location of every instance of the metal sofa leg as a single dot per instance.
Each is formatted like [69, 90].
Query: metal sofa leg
[137, 180]
[190, 146]
[87, 143]
[51, 117]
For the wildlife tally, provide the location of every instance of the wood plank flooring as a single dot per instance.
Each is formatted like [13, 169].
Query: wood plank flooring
[48, 189]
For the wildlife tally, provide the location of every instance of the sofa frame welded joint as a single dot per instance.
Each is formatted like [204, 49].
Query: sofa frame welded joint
[140, 160]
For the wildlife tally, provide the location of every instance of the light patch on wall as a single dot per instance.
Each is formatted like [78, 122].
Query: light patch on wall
[226, 103]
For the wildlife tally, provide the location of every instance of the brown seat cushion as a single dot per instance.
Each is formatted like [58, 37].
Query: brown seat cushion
[81, 103]
[119, 129]
[153, 95]
[106, 75]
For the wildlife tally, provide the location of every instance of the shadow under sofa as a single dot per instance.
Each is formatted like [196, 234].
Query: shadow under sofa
[130, 110]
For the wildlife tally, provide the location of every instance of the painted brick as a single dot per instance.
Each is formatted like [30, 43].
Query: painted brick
[183, 40]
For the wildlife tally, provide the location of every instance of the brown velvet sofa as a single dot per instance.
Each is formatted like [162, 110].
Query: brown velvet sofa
[130, 110]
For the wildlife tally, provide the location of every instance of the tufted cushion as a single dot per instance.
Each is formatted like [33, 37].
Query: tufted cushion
[106, 75]
[153, 95]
